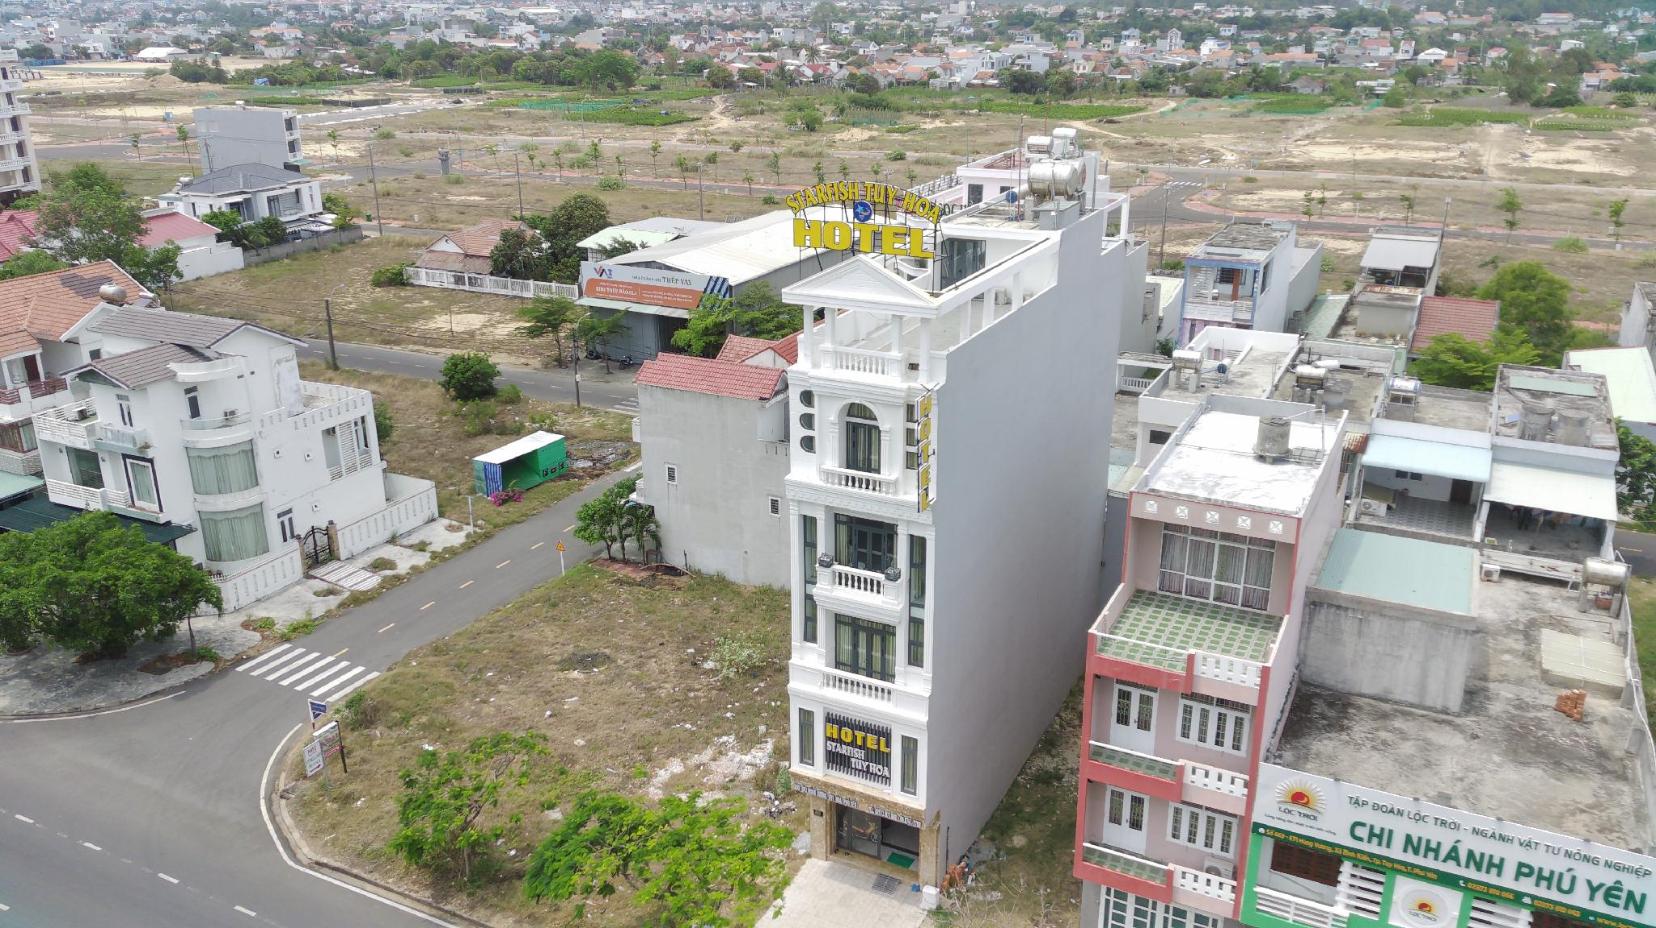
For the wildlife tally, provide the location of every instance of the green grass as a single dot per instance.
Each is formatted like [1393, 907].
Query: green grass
[1569, 124]
[1059, 110]
[295, 100]
[1308, 106]
[1642, 594]
[1600, 112]
[1442, 117]
[636, 116]
[444, 80]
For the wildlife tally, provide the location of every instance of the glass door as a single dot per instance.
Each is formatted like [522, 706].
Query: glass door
[1124, 814]
[859, 832]
[1133, 725]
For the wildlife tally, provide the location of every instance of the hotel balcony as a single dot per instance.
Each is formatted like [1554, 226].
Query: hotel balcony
[212, 431]
[91, 498]
[107, 436]
[1205, 892]
[808, 677]
[861, 592]
[70, 424]
[1190, 645]
[1172, 780]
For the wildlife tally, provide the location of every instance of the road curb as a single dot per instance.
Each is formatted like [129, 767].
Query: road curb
[291, 837]
[86, 711]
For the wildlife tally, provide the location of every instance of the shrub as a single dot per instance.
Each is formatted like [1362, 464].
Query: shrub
[769, 199]
[611, 183]
[898, 155]
[477, 417]
[203, 654]
[469, 375]
[384, 135]
[454, 180]
[384, 425]
[297, 629]
[510, 394]
[382, 563]
[1570, 244]
[736, 655]
[391, 275]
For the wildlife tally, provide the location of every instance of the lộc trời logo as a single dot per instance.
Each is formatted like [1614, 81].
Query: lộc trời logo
[1300, 799]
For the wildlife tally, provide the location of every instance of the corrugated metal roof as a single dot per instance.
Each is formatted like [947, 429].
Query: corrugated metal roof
[1440, 459]
[519, 448]
[1396, 569]
[1395, 254]
[1628, 374]
[1591, 495]
[739, 251]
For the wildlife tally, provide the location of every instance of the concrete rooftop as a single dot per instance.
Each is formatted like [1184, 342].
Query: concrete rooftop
[1253, 374]
[1565, 392]
[1393, 568]
[1452, 408]
[1213, 461]
[1508, 754]
[1158, 628]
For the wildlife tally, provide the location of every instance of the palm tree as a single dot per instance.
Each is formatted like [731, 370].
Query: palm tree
[683, 165]
[557, 158]
[747, 178]
[184, 143]
[775, 164]
[134, 140]
[655, 152]
[333, 139]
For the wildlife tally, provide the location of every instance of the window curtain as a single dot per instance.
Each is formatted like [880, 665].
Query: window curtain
[235, 535]
[230, 469]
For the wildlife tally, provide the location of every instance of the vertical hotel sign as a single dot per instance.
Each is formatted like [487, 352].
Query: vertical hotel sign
[861, 749]
[925, 431]
[1436, 854]
[862, 234]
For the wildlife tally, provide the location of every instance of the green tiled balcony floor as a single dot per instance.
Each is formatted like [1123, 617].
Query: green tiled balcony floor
[1123, 863]
[1175, 624]
[1138, 763]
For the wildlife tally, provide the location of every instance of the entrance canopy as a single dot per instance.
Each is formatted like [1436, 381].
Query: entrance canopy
[1440, 459]
[1591, 495]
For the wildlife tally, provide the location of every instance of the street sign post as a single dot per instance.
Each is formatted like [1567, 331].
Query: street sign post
[313, 759]
[560, 558]
[318, 708]
[332, 741]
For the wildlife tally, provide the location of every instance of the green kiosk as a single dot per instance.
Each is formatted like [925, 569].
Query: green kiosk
[527, 462]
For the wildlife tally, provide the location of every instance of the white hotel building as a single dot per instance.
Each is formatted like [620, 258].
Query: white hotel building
[950, 426]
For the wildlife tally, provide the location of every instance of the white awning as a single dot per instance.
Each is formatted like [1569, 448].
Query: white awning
[519, 448]
[1440, 459]
[1591, 495]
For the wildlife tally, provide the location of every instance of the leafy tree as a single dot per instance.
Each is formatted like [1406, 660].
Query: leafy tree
[344, 213]
[863, 83]
[720, 77]
[384, 424]
[1534, 301]
[520, 255]
[1615, 211]
[655, 152]
[468, 375]
[1625, 100]
[1020, 81]
[806, 116]
[549, 317]
[184, 142]
[563, 227]
[1561, 96]
[95, 586]
[691, 858]
[596, 330]
[1510, 204]
[446, 811]
[1453, 360]
[774, 163]
[230, 224]
[33, 261]
[608, 69]
[598, 521]
[1635, 478]
[87, 217]
[1408, 202]
[757, 312]
[156, 268]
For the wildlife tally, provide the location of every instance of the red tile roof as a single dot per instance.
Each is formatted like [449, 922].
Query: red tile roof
[172, 227]
[711, 376]
[1440, 315]
[16, 227]
[49, 305]
[483, 237]
[788, 348]
[741, 347]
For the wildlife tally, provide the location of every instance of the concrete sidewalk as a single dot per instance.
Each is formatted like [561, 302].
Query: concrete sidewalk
[832, 894]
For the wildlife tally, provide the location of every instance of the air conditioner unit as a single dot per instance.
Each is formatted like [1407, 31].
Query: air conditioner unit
[1371, 507]
[1215, 866]
[1491, 573]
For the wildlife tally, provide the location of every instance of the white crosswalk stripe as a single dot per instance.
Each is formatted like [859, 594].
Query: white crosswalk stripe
[310, 672]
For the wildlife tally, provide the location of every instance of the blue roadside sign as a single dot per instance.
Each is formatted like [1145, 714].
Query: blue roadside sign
[318, 708]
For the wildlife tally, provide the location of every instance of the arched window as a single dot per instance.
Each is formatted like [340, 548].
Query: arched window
[862, 439]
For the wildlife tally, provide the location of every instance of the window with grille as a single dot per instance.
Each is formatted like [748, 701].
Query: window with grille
[672, 473]
[1305, 864]
[1216, 566]
[1216, 723]
[775, 505]
[1200, 828]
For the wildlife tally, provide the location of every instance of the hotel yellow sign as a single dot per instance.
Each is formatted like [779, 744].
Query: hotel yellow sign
[862, 233]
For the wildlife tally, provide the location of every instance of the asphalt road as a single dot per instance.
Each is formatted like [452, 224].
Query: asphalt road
[1639, 550]
[152, 815]
[614, 390]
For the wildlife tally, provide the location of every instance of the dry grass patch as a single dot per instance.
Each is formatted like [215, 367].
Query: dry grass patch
[612, 672]
[429, 439]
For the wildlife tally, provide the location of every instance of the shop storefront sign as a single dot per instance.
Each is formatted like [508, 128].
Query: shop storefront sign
[861, 749]
[858, 231]
[650, 286]
[861, 805]
[1434, 847]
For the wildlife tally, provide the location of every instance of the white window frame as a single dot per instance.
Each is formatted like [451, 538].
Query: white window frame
[1212, 725]
[1215, 831]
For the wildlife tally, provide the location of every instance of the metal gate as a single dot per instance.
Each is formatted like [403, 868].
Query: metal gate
[314, 544]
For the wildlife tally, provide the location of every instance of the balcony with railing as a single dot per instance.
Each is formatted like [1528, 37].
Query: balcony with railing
[21, 401]
[1233, 312]
[216, 430]
[1191, 645]
[862, 481]
[70, 424]
[108, 436]
[1173, 780]
[1207, 892]
[92, 498]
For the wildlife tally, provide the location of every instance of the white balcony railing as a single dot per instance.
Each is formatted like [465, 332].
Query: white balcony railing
[73, 494]
[214, 423]
[863, 361]
[120, 436]
[1297, 910]
[859, 581]
[70, 424]
[1239, 671]
[1219, 781]
[854, 685]
[26, 463]
[866, 482]
[1204, 884]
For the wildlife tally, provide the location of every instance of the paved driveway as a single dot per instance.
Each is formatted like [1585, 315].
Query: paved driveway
[831, 894]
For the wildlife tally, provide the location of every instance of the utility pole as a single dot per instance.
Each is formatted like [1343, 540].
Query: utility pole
[1161, 250]
[701, 204]
[333, 352]
[577, 355]
[519, 172]
[1443, 229]
[373, 178]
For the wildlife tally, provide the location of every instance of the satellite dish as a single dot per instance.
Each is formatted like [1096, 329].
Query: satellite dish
[1011, 196]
